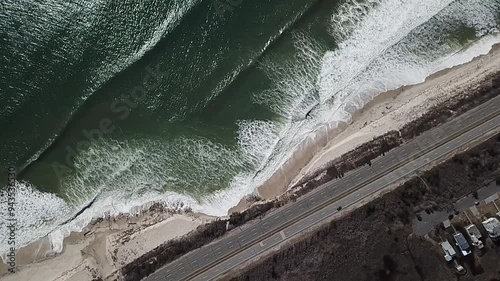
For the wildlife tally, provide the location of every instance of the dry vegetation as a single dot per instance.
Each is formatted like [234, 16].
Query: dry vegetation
[362, 155]
[376, 242]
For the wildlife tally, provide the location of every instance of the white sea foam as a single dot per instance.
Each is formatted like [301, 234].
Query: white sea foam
[138, 43]
[386, 44]
[177, 9]
[36, 213]
[383, 27]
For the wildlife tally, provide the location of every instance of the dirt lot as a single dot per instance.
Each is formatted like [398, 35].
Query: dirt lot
[376, 241]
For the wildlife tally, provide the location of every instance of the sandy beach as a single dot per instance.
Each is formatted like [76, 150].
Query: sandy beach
[388, 111]
[101, 249]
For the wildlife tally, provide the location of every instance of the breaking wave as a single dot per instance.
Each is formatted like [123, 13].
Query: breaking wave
[381, 45]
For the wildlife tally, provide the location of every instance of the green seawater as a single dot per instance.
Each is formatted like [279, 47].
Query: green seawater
[198, 101]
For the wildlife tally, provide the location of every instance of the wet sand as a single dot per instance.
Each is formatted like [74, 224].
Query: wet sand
[388, 111]
[101, 249]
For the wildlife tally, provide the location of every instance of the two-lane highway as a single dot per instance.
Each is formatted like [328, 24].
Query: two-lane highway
[211, 261]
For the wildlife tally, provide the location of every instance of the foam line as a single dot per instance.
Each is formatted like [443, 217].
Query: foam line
[383, 44]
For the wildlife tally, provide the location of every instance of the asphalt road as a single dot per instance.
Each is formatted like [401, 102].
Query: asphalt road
[211, 261]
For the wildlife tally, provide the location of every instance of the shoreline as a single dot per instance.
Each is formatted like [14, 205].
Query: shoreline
[91, 251]
[393, 215]
[103, 247]
[388, 111]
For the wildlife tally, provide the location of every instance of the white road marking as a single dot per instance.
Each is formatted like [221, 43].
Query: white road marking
[431, 156]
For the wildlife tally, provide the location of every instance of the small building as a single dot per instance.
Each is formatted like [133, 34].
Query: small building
[492, 226]
[449, 252]
[460, 269]
[462, 244]
[446, 224]
[474, 235]
[473, 230]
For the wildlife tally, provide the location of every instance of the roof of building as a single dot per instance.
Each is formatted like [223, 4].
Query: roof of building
[473, 230]
[462, 243]
[448, 250]
[446, 223]
[492, 225]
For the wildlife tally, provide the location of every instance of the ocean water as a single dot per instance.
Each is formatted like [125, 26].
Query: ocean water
[196, 103]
